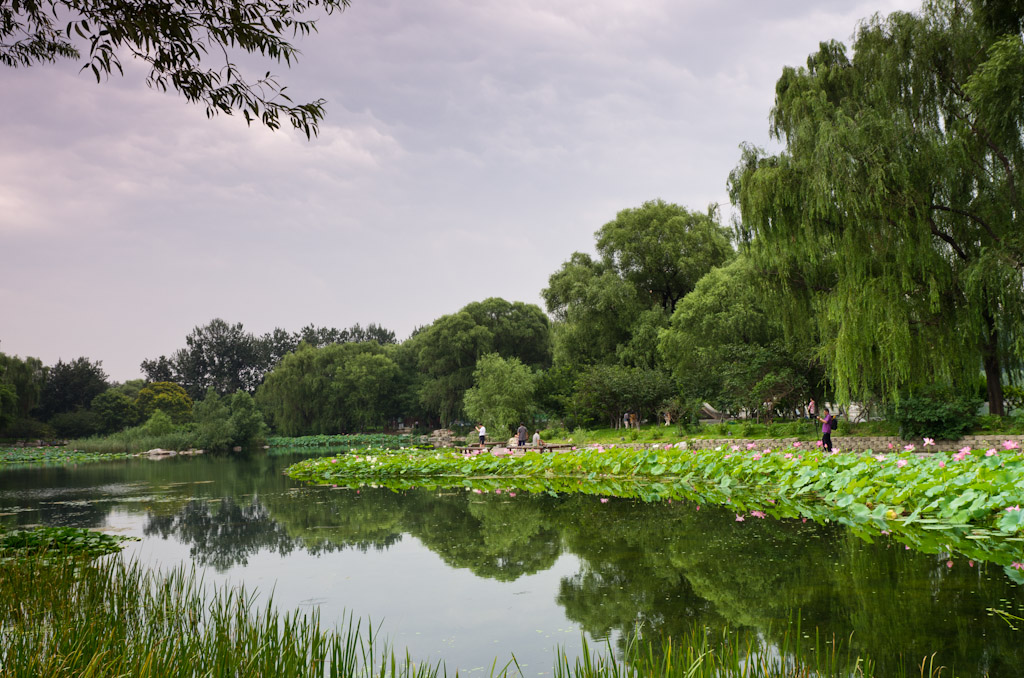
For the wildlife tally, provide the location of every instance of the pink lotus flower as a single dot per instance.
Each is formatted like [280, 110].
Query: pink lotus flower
[698, 507]
[929, 442]
[991, 453]
[949, 563]
[819, 443]
[942, 464]
[728, 456]
[497, 492]
[880, 457]
[1011, 509]
[735, 448]
[767, 450]
[964, 450]
[803, 520]
[890, 446]
[334, 461]
[511, 494]
[789, 455]
[756, 457]
[771, 501]
[604, 500]
[757, 514]
[477, 491]
[1010, 444]
[751, 446]
[901, 463]
[797, 444]
[908, 448]
[1017, 566]
[739, 518]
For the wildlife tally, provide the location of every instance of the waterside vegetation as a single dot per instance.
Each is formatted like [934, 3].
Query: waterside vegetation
[968, 502]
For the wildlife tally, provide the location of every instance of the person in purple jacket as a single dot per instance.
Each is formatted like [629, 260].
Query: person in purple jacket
[827, 424]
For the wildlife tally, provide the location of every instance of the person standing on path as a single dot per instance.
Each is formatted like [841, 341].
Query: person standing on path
[522, 434]
[812, 409]
[826, 430]
[483, 433]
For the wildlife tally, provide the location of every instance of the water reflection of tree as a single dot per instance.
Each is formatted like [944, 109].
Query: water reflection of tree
[668, 567]
[225, 536]
[491, 535]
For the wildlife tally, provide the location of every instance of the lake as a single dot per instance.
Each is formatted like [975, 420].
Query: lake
[469, 578]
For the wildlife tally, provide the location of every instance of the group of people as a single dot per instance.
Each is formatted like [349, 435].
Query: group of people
[828, 424]
[519, 437]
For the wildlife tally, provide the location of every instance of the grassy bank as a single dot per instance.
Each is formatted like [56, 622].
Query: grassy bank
[109, 618]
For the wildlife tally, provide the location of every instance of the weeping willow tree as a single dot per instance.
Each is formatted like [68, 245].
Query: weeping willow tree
[888, 230]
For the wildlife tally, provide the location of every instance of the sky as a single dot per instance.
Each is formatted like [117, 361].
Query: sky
[469, 148]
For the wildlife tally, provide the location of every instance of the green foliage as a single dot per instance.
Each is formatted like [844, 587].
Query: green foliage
[726, 349]
[166, 396]
[226, 422]
[75, 424]
[71, 386]
[340, 387]
[503, 394]
[1013, 396]
[611, 309]
[887, 229]
[65, 541]
[166, 38]
[607, 391]
[927, 501]
[112, 617]
[158, 424]
[447, 351]
[935, 413]
[347, 440]
[115, 410]
[52, 456]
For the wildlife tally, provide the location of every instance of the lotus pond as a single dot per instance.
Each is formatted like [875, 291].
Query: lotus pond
[472, 573]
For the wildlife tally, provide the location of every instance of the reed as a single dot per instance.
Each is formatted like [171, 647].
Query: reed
[111, 618]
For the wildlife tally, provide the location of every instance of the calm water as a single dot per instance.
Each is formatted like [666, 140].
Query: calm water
[470, 578]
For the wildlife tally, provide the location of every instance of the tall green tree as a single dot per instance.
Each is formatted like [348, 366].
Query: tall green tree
[725, 347]
[71, 386]
[502, 395]
[189, 46]
[448, 350]
[890, 226]
[610, 309]
[340, 388]
[25, 377]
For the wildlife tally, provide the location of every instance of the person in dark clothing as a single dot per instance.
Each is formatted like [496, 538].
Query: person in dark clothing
[522, 434]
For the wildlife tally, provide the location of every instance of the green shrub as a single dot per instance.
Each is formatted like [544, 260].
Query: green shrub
[936, 413]
[76, 424]
[1013, 398]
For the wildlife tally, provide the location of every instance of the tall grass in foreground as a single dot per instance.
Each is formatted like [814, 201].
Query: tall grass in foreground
[110, 618]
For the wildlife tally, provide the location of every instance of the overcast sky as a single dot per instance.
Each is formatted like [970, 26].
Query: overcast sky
[469, 148]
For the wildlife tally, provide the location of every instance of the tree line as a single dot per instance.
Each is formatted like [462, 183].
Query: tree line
[878, 256]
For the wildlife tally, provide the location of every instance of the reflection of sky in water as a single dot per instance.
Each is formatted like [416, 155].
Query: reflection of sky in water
[438, 612]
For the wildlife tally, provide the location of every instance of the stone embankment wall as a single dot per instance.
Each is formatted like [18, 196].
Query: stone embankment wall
[874, 443]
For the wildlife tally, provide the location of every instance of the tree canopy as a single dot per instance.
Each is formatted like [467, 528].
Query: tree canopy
[189, 46]
[610, 309]
[889, 227]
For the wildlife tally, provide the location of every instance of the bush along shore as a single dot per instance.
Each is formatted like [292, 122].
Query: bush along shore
[967, 503]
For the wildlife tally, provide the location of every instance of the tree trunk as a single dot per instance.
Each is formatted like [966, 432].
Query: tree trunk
[993, 369]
